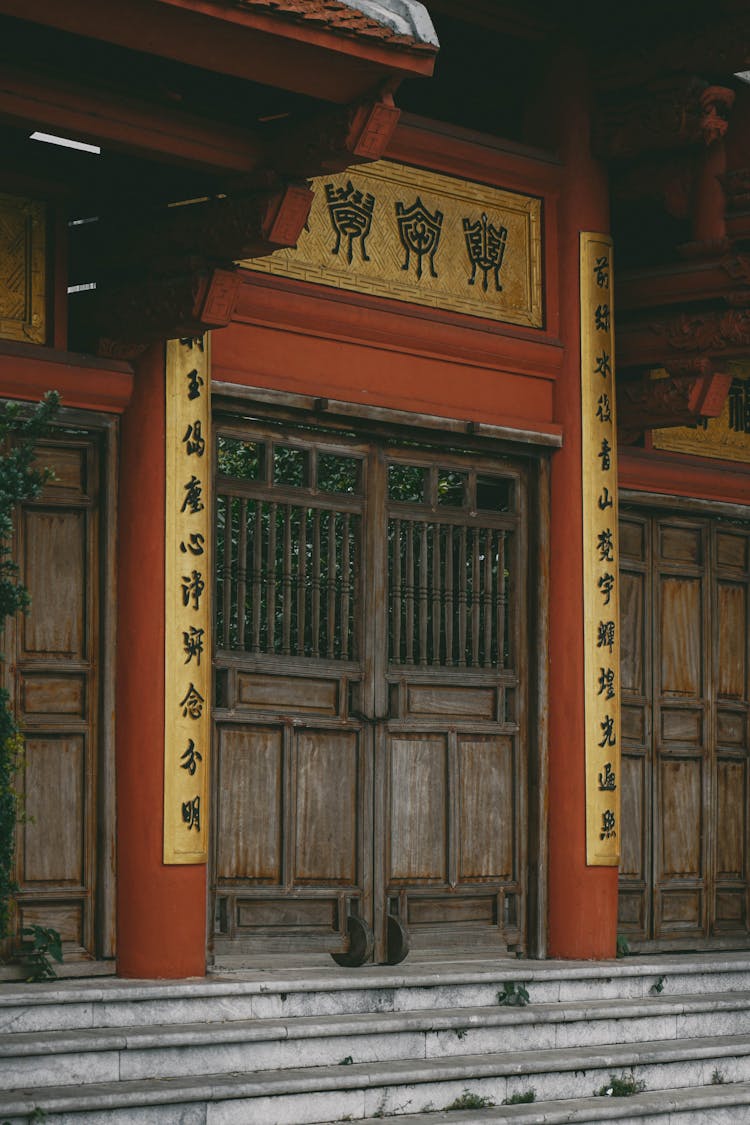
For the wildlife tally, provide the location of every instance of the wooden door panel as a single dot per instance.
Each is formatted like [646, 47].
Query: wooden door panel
[680, 726]
[328, 803]
[680, 796]
[633, 666]
[680, 635]
[731, 728]
[732, 640]
[55, 567]
[680, 544]
[680, 912]
[732, 550]
[53, 834]
[486, 808]
[731, 819]
[57, 656]
[634, 794]
[249, 806]
[418, 840]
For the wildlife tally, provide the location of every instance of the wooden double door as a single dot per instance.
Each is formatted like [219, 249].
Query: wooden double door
[370, 745]
[685, 635]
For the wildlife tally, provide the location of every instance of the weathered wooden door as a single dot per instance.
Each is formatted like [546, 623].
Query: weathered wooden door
[56, 677]
[684, 666]
[370, 754]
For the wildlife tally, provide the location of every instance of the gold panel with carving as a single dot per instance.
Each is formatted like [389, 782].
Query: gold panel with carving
[400, 232]
[727, 437]
[22, 270]
[600, 553]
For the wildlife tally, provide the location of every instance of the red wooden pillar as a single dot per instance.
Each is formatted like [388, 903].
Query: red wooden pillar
[582, 900]
[161, 910]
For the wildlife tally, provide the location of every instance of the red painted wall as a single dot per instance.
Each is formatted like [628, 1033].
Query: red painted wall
[582, 900]
[161, 910]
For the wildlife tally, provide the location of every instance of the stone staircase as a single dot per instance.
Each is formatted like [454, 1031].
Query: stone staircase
[425, 1043]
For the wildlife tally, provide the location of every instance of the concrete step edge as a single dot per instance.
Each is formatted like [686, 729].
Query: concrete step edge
[560, 1111]
[193, 1034]
[610, 1059]
[370, 977]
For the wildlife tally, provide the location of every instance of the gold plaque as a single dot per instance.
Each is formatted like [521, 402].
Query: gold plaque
[22, 270]
[394, 231]
[727, 437]
[187, 637]
[600, 554]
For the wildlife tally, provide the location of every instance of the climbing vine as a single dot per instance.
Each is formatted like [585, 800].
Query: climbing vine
[21, 479]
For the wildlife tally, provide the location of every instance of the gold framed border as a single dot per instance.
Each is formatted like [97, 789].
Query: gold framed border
[376, 263]
[188, 576]
[23, 269]
[600, 552]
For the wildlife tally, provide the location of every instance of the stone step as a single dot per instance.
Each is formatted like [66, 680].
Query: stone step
[395, 1088]
[32, 1059]
[274, 994]
[727, 1104]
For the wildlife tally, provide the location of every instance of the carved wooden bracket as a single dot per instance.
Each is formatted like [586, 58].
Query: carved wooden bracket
[680, 397]
[335, 140]
[660, 342]
[129, 315]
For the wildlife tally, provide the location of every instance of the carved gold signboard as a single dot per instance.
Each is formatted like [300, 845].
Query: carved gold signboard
[600, 558]
[726, 437]
[187, 657]
[411, 235]
[22, 270]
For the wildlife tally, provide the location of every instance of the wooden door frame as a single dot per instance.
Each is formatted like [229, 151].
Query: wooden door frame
[232, 401]
[658, 503]
[106, 427]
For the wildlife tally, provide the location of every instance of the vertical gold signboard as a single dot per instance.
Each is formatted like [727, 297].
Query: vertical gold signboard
[600, 556]
[187, 657]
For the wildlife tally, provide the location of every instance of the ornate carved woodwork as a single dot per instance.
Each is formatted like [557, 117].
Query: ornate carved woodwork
[670, 113]
[659, 341]
[335, 139]
[678, 397]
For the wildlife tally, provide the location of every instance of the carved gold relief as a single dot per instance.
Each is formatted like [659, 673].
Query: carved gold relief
[727, 437]
[400, 232]
[600, 554]
[22, 270]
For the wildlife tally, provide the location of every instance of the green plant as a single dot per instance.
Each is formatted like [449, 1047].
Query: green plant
[658, 986]
[513, 995]
[39, 947]
[20, 480]
[347, 1061]
[460, 1032]
[623, 1087]
[717, 1077]
[471, 1101]
[521, 1099]
[623, 946]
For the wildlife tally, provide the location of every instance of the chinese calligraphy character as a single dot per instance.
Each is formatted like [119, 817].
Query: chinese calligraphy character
[606, 682]
[608, 825]
[192, 703]
[601, 271]
[607, 780]
[350, 212]
[192, 644]
[192, 587]
[194, 544]
[189, 341]
[603, 409]
[194, 441]
[605, 635]
[191, 757]
[419, 231]
[604, 454]
[192, 501]
[606, 585]
[485, 245]
[605, 500]
[601, 315]
[191, 813]
[609, 737]
[603, 365]
[739, 407]
[195, 382]
[605, 546]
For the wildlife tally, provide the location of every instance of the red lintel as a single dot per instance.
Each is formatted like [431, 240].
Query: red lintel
[84, 382]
